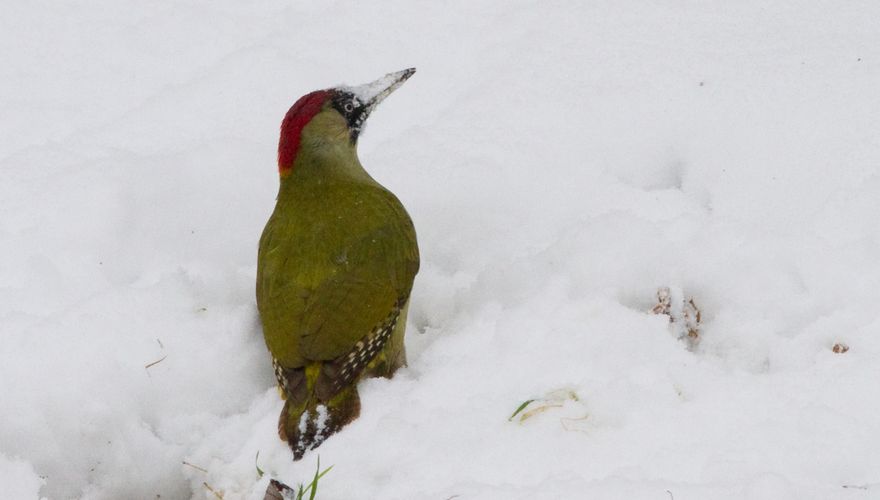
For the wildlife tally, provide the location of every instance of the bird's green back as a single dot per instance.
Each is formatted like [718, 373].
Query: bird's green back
[337, 254]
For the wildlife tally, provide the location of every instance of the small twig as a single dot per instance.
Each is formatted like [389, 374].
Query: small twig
[670, 495]
[160, 344]
[218, 495]
[686, 317]
[196, 467]
[147, 366]
[664, 302]
[693, 318]
[858, 486]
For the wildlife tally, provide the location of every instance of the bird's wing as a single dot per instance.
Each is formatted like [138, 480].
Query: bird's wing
[345, 308]
[318, 309]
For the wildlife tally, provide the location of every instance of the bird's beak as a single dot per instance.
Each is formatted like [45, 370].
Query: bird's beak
[371, 94]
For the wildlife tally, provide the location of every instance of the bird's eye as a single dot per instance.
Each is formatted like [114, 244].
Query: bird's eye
[349, 107]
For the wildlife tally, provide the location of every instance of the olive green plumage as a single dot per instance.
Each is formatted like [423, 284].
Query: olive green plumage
[336, 264]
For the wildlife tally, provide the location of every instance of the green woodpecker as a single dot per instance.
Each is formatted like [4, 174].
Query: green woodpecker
[335, 267]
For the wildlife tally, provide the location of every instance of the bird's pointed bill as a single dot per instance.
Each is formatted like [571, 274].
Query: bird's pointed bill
[371, 94]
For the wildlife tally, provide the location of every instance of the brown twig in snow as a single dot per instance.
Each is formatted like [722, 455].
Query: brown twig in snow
[148, 365]
[196, 467]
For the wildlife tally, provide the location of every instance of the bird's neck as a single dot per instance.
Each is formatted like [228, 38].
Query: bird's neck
[322, 165]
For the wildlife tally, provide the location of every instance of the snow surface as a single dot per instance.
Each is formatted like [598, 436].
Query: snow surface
[561, 161]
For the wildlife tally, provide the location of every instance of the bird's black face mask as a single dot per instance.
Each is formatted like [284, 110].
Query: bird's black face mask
[354, 111]
[356, 103]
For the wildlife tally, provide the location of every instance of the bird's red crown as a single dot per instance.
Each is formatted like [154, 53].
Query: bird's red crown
[294, 121]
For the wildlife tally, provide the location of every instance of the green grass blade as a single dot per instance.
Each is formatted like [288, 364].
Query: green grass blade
[520, 408]
[256, 463]
[314, 485]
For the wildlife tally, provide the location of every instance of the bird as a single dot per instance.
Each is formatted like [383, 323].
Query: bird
[335, 267]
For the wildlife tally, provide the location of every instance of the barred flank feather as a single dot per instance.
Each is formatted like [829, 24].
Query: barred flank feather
[348, 367]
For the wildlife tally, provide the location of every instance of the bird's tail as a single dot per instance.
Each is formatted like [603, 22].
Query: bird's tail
[306, 425]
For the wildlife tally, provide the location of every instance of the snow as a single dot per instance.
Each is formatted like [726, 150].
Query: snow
[18, 479]
[561, 162]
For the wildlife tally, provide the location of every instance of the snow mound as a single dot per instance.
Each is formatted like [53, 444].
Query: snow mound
[560, 162]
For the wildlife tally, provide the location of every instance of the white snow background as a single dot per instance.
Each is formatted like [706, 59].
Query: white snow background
[561, 160]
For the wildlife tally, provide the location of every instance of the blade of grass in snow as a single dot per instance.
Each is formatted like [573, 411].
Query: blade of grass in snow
[312, 487]
[520, 408]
